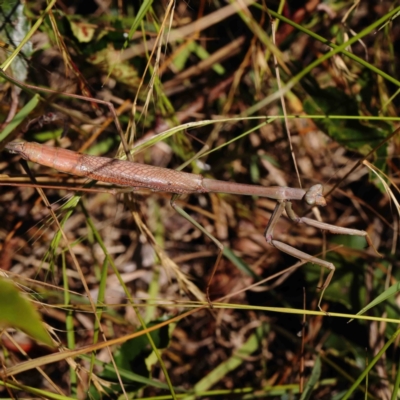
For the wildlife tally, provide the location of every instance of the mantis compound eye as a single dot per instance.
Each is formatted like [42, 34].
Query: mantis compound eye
[314, 196]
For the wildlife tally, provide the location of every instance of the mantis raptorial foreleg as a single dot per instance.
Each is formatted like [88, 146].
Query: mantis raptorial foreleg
[287, 205]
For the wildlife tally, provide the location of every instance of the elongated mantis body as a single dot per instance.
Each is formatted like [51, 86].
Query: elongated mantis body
[137, 175]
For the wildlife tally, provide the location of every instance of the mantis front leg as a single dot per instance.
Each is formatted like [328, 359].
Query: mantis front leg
[316, 224]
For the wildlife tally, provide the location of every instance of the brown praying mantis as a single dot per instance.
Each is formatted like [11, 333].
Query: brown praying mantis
[137, 175]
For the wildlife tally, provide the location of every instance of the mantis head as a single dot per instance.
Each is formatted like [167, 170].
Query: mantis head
[314, 196]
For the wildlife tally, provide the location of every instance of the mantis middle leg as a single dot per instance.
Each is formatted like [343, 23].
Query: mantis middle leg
[220, 246]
